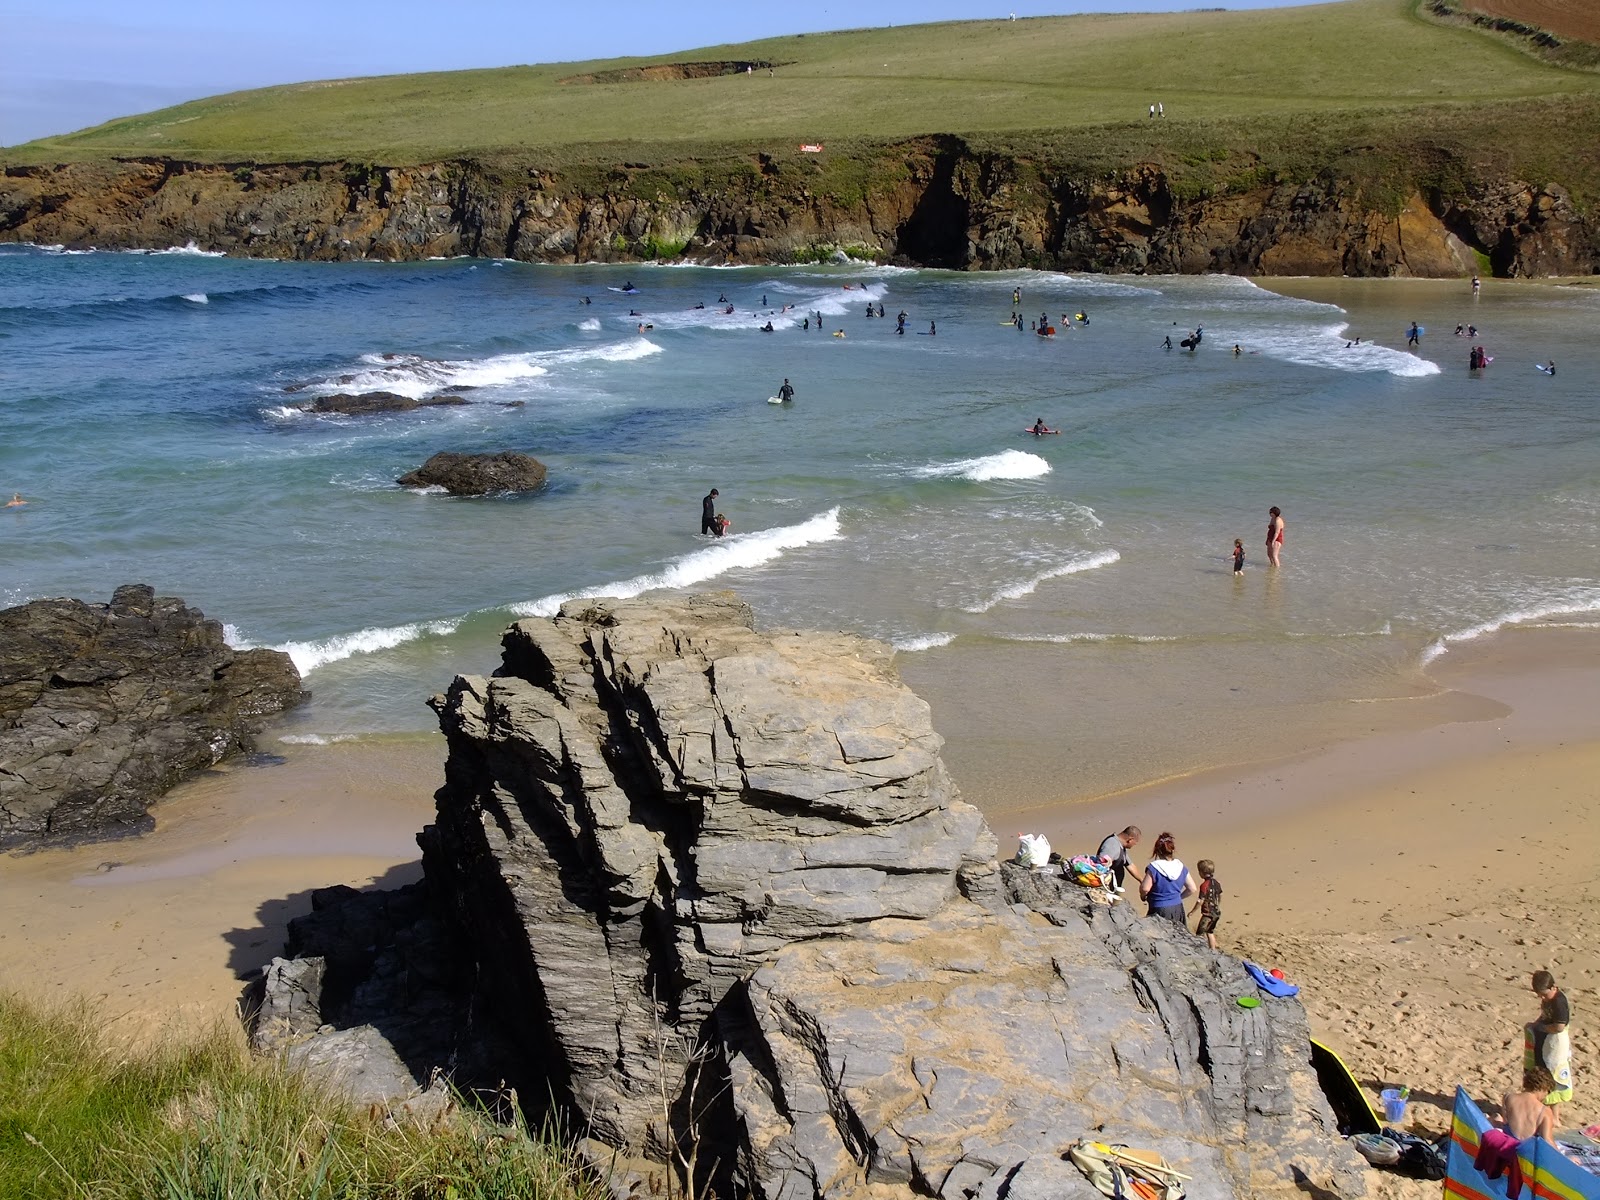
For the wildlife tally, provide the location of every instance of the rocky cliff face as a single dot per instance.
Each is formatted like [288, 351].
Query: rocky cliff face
[103, 707]
[717, 886]
[932, 201]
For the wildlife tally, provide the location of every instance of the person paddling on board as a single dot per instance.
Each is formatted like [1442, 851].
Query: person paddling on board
[1040, 428]
[1550, 367]
[708, 512]
[786, 392]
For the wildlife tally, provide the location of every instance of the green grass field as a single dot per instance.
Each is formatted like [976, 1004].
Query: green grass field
[990, 78]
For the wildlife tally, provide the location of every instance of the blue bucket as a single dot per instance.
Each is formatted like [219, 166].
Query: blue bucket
[1394, 1105]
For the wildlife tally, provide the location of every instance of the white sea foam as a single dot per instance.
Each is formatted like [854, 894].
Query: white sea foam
[927, 641]
[727, 554]
[308, 656]
[1015, 591]
[189, 248]
[1328, 347]
[806, 301]
[418, 377]
[591, 325]
[1008, 464]
[1140, 639]
[1586, 600]
[316, 739]
[198, 298]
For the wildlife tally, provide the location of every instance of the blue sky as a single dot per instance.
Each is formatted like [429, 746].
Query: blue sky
[74, 63]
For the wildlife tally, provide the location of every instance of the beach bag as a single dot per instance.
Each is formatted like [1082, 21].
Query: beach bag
[1090, 870]
[1119, 1172]
[1033, 850]
[1376, 1149]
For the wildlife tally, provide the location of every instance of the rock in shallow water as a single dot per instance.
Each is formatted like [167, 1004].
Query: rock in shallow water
[103, 707]
[719, 889]
[478, 474]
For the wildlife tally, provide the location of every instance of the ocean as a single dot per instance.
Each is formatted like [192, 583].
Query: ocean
[1072, 590]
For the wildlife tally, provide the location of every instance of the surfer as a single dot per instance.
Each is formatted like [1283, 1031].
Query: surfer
[1083, 318]
[763, 299]
[628, 287]
[722, 297]
[1237, 349]
[1413, 335]
[1274, 534]
[767, 328]
[880, 309]
[708, 512]
[16, 500]
[870, 310]
[786, 392]
[1040, 428]
[932, 329]
[1549, 368]
[1166, 342]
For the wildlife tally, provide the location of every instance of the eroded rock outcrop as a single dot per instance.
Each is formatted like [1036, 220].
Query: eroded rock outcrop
[365, 404]
[103, 707]
[717, 893]
[478, 474]
[937, 200]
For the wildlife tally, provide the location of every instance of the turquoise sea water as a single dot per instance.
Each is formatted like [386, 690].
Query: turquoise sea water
[149, 419]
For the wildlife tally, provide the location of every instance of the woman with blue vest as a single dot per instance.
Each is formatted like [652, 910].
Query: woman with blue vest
[1166, 884]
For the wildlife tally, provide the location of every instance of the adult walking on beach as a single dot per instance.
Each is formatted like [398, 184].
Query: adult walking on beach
[1414, 335]
[1115, 850]
[708, 512]
[1274, 534]
[1548, 1044]
[1166, 884]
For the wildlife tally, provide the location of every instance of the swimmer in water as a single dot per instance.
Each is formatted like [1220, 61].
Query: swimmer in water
[16, 500]
[1237, 350]
[1166, 342]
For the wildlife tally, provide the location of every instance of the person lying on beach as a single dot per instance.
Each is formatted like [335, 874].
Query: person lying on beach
[1526, 1114]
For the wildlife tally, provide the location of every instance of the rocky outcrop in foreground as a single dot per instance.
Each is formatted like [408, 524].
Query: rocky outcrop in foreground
[930, 201]
[717, 888]
[103, 707]
[478, 474]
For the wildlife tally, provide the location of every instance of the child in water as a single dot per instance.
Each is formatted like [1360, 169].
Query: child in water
[1209, 901]
[1238, 556]
[719, 525]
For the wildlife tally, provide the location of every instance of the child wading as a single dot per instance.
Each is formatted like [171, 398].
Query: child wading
[1238, 556]
[1209, 905]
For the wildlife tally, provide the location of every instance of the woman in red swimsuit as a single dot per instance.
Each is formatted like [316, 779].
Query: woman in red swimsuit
[1274, 534]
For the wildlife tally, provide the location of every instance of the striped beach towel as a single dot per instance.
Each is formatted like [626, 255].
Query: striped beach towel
[1546, 1173]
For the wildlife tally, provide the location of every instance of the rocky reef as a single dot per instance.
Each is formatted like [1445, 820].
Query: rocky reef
[931, 201]
[103, 707]
[716, 892]
[478, 474]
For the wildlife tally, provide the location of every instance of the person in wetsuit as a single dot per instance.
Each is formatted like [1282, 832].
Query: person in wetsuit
[786, 392]
[708, 512]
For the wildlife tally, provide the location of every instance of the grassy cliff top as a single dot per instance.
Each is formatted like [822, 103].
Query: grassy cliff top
[972, 77]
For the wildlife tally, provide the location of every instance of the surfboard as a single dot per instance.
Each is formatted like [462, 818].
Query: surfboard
[624, 291]
[1406, 333]
[1350, 1105]
[1039, 432]
[776, 400]
[1542, 369]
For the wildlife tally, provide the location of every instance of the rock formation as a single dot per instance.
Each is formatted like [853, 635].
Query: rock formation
[103, 707]
[721, 893]
[478, 474]
[931, 201]
[364, 404]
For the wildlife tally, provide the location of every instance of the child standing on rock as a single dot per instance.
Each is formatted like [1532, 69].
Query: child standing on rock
[1209, 903]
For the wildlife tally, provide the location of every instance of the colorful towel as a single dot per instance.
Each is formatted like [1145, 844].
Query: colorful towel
[1544, 1169]
[1269, 985]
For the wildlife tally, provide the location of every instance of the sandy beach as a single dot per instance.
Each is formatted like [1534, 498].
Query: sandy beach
[1408, 880]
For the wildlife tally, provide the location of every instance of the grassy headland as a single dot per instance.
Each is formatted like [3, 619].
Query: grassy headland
[975, 78]
[82, 1117]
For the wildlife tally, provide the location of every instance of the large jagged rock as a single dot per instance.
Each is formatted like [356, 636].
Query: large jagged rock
[478, 474]
[721, 891]
[103, 707]
[365, 404]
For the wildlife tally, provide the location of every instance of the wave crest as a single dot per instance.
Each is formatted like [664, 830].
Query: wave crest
[1008, 464]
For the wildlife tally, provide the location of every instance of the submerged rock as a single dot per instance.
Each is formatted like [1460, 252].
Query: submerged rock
[366, 403]
[716, 887]
[103, 707]
[478, 474]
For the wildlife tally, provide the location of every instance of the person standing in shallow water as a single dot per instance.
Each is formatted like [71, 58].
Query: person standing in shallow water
[708, 512]
[1274, 534]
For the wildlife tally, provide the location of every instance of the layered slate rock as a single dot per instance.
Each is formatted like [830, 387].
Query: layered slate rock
[103, 707]
[478, 474]
[719, 889]
[365, 404]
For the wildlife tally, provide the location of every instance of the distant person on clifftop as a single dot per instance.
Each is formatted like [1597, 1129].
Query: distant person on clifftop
[708, 512]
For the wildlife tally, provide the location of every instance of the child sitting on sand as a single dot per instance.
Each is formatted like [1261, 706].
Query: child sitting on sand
[1209, 902]
[1526, 1113]
[1238, 557]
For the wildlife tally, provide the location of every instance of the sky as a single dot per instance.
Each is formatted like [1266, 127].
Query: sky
[73, 63]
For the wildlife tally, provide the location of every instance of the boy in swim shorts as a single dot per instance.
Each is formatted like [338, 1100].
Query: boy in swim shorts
[1209, 902]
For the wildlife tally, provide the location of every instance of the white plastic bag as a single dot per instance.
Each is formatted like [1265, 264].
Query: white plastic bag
[1033, 850]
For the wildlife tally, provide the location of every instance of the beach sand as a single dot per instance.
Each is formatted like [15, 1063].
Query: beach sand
[1408, 880]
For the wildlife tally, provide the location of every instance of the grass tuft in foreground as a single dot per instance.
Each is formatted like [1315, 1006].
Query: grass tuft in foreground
[201, 1119]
